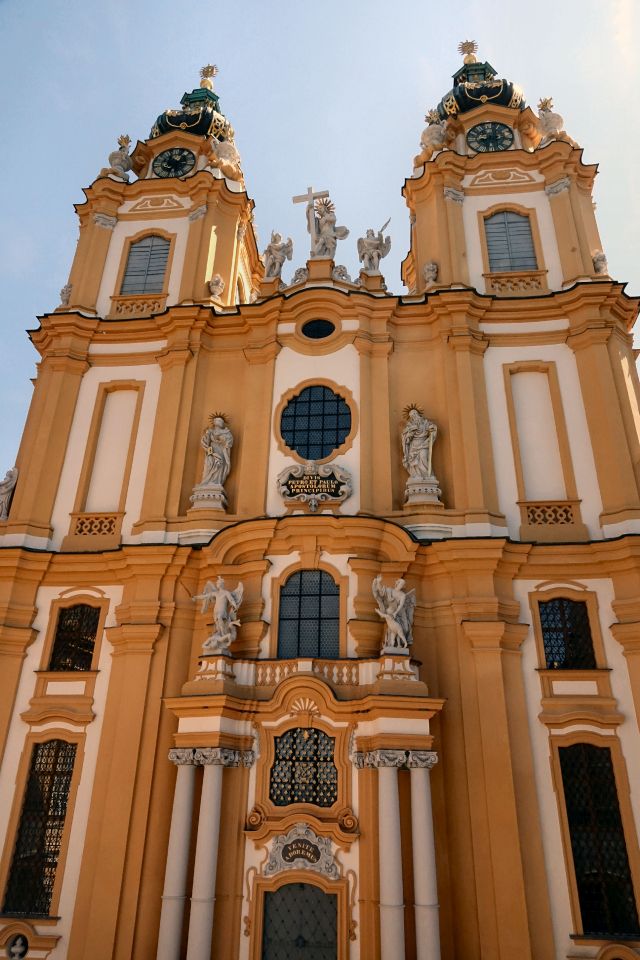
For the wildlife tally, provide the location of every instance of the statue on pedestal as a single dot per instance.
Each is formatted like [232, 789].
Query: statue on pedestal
[321, 223]
[396, 607]
[418, 436]
[119, 161]
[277, 251]
[217, 441]
[6, 491]
[552, 124]
[225, 621]
[373, 248]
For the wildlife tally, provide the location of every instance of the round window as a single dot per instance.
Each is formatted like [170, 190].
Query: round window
[318, 329]
[315, 422]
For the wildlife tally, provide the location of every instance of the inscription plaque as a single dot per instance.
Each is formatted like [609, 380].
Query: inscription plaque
[314, 484]
[301, 849]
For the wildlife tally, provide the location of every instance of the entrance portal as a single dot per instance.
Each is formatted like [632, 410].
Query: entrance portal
[300, 923]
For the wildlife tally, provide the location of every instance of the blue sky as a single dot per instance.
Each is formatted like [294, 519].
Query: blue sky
[331, 94]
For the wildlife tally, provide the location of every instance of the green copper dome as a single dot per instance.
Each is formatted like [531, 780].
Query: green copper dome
[199, 113]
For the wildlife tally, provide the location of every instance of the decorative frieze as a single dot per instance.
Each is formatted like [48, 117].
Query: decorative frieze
[558, 186]
[198, 213]
[450, 193]
[410, 759]
[301, 849]
[182, 755]
[224, 757]
[104, 220]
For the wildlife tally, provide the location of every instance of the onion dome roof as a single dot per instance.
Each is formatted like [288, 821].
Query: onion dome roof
[199, 112]
[475, 84]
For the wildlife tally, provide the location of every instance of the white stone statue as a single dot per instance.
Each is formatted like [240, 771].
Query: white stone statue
[430, 272]
[6, 491]
[600, 264]
[216, 286]
[217, 441]
[119, 161]
[439, 135]
[372, 248]
[65, 295]
[300, 276]
[322, 218]
[551, 123]
[418, 436]
[341, 273]
[224, 155]
[277, 251]
[396, 607]
[18, 948]
[225, 620]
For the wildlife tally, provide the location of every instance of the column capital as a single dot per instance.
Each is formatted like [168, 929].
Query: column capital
[411, 759]
[421, 758]
[181, 756]
[224, 757]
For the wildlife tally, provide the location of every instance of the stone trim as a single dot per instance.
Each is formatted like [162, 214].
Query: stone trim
[223, 756]
[558, 187]
[104, 220]
[410, 759]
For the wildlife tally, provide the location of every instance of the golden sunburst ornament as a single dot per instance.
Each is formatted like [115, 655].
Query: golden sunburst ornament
[218, 415]
[468, 48]
[546, 103]
[432, 116]
[325, 205]
[207, 74]
[124, 140]
[412, 406]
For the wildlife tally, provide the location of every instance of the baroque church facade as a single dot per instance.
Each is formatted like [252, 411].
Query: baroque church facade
[320, 606]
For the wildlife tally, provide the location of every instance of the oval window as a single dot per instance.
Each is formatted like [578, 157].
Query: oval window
[315, 422]
[318, 329]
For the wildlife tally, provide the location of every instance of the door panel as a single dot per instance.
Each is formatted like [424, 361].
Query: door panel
[300, 923]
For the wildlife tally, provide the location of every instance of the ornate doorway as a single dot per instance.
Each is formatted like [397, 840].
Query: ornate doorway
[300, 923]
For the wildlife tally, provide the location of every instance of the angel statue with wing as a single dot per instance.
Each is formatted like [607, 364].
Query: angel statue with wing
[396, 607]
[225, 609]
[372, 248]
[277, 251]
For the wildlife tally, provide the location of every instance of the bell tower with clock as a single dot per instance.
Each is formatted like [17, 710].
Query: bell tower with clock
[506, 190]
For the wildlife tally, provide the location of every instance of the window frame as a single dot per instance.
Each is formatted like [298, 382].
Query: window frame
[42, 736]
[523, 219]
[530, 212]
[343, 392]
[626, 815]
[576, 593]
[62, 603]
[128, 242]
[341, 581]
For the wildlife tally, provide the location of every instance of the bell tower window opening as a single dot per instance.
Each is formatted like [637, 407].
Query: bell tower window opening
[510, 243]
[75, 638]
[566, 635]
[39, 838]
[600, 859]
[146, 266]
[309, 616]
[303, 770]
[315, 422]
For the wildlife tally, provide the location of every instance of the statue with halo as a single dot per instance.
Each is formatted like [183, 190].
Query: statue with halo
[418, 437]
[217, 441]
[321, 223]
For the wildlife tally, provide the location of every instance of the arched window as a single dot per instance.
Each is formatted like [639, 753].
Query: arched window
[75, 638]
[146, 266]
[309, 620]
[39, 838]
[600, 859]
[566, 635]
[510, 242]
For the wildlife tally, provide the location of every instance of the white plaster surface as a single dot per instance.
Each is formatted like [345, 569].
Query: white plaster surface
[149, 346]
[114, 438]
[575, 688]
[537, 437]
[292, 368]
[526, 326]
[64, 687]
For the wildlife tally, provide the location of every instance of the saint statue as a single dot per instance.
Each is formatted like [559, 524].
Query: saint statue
[321, 224]
[418, 437]
[396, 607]
[372, 248]
[277, 251]
[225, 620]
[6, 491]
[119, 161]
[217, 441]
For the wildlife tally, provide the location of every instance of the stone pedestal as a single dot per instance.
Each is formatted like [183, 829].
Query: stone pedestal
[320, 268]
[208, 496]
[422, 491]
[215, 667]
[269, 286]
[372, 281]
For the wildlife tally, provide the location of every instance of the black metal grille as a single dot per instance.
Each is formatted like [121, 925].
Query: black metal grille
[315, 423]
[309, 620]
[300, 923]
[146, 266]
[75, 638]
[600, 861]
[35, 857]
[303, 770]
[566, 635]
[510, 242]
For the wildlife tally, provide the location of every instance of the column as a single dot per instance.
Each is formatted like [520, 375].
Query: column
[390, 853]
[175, 880]
[425, 886]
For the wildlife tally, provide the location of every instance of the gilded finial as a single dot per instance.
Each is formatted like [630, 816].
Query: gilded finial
[432, 116]
[124, 140]
[469, 48]
[207, 73]
[546, 103]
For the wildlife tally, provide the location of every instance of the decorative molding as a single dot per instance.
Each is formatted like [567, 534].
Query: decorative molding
[559, 186]
[241, 231]
[182, 755]
[417, 759]
[302, 849]
[450, 193]
[104, 220]
[411, 759]
[224, 757]
[314, 483]
[152, 204]
[198, 213]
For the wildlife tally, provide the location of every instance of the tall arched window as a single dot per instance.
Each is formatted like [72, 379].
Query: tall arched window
[566, 634]
[510, 242]
[75, 638]
[146, 266]
[309, 620]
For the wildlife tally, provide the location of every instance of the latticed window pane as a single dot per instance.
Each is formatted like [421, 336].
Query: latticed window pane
[510, 242]
[303, 770]
[600, 861]
[146, 266]
[35, 857]
[300, 920]
[309, 621]
[75, 638]
[315, 423]
[566, 635]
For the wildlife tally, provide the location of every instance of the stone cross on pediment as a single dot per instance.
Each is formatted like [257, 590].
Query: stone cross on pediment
[310, 198]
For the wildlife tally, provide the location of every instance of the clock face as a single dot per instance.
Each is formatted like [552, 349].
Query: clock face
[489, 137]
[176, 162]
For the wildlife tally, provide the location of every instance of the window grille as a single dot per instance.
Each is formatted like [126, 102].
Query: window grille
[309, 620]
[35, 857]
[75, 638]
[566, 635]
[146, 266]
[315, 423]
[303, 770]
[600, 861]
[510, 242]
[300, 920]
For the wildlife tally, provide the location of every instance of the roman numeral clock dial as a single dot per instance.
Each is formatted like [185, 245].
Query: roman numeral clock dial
[490, 137]
[176, 162]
